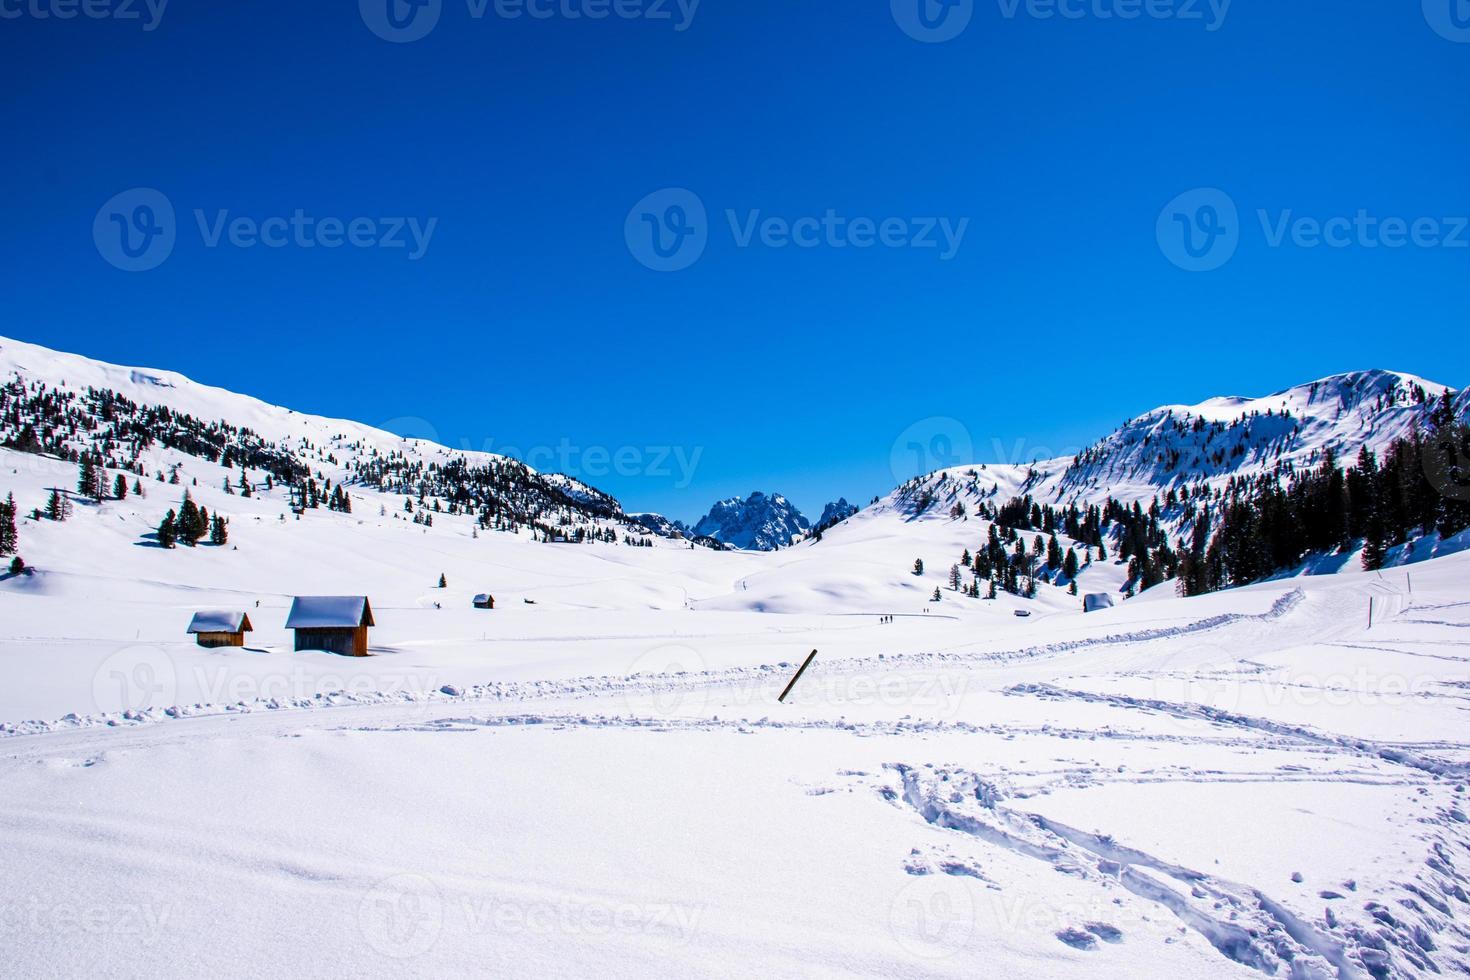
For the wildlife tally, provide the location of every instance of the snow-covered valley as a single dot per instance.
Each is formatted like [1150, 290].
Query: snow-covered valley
[596, 776]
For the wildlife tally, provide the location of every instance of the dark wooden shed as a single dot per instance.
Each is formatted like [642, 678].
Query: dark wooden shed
[220, 628]
[484, 601]
[334, 623]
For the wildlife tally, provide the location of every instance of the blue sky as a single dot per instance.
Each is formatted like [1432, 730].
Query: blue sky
[519, 147]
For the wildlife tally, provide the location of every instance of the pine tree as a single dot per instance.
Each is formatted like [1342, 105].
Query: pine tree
[120, 487]
[443, 582]
[89, 479]
[918, 566]
[58, 508]
[219, 532]
[167, 535]
[937, 596]
[187, 524]
[9, 538]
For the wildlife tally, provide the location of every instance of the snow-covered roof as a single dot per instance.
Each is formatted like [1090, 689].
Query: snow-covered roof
[219, 621]
[329, 612]
[483, 598]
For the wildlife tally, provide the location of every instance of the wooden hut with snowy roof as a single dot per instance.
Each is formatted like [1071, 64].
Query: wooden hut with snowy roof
[334, 623]
[220, 628]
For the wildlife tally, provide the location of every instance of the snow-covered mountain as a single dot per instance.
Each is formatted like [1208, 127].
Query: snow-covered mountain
[1207, 444]
[834, 513]
[1232, 436]
[760, 522]
[660, 525]
[146, 422]
[151, 423]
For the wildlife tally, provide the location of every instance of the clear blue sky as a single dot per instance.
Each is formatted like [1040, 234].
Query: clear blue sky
[529, 322]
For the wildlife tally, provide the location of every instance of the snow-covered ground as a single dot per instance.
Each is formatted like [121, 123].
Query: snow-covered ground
[597, 776]
[602, 779]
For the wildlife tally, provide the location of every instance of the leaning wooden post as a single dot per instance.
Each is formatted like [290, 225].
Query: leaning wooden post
[805, 664]
[1370, 612]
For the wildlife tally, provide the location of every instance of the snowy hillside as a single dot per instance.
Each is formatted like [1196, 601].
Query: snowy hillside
[597, 776]
[146, 422]
[1231, 437]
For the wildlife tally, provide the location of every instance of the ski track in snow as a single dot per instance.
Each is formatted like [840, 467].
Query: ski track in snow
[1240, 921]
[1394, 754]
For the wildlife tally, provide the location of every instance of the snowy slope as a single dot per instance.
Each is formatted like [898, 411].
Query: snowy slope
[1233, 436]
[328, 449]
[597, 776]
[1253, 783]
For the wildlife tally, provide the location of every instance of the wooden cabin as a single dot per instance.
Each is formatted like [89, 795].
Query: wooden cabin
[334, 623]
[484, 601]
[220, 628]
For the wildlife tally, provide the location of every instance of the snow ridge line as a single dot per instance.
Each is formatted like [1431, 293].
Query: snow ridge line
[1219, 716]
[595, 685]
[1277, 933]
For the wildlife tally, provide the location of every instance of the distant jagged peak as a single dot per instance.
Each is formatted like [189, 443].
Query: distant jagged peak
[760, 522]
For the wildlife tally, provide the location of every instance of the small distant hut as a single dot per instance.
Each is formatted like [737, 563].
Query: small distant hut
[334, 623]
[1095, 601]
[484, 601]
[220, 628]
